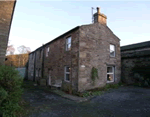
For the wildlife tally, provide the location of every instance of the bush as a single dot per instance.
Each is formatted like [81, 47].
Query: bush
[10, 91]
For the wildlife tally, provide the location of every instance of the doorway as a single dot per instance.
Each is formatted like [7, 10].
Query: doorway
[49, 78]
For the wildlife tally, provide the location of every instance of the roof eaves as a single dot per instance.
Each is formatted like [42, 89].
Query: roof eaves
[77, 27]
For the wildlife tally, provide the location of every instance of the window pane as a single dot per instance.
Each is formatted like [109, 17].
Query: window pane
[68, 46]
[112, 47]
[109, 69]
[67, 69]
[67, 77]
[112, 53]
[110, 77]
[69, 40]
[112, 50]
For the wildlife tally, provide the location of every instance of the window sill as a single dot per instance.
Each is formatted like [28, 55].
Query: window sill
[66, 80]
[112, 56]
[109, 81]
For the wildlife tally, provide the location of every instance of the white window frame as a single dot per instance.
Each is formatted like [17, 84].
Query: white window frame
[68, 43]
[113, 72]
[66, 73]
[114, 50]
[47, 51]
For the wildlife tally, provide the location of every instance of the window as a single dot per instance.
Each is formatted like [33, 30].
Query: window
[39, 72]
[32, 55]
[68, 43]
[47, 51]
[36, 73]
[40, 54]
[110, 73]
[32, 74]
[67, 73]
[112, 50]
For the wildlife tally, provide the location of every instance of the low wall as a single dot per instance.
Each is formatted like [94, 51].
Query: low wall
[22, 71]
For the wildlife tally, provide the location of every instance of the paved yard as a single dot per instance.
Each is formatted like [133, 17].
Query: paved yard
[122, 102]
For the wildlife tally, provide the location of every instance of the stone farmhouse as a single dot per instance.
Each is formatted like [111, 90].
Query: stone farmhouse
[6, 14]
[67, 61]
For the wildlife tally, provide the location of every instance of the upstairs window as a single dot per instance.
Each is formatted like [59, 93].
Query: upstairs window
[68, 43]
[112, 50]
[67, 73]
[40, 54]
[32, 55]
[47, 51]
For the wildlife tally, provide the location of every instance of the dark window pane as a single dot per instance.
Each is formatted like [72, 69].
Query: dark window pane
[67, 77]
[110, 77]
[109, 69]
[67, 69]
[112, 53]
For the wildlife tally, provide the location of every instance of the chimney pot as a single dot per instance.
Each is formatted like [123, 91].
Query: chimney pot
[98, 10]
[99, 17]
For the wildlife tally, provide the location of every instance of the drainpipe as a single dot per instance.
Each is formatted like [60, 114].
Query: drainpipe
[34, 67]
[43, 61]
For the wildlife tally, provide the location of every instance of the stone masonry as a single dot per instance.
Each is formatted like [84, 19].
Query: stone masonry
[90, 47]
[131, 55]
[6, 14]
[95, 40]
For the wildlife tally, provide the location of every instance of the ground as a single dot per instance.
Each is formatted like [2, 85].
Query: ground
[126, 101]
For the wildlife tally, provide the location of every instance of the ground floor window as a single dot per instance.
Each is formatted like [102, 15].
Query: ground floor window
[67, 73]
[110, 73]
[32, 74]
[39, 72]
[36, 73]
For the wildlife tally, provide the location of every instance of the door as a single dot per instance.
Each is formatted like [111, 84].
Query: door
[49, 78]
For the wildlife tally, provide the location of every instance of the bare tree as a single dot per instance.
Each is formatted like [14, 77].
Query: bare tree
[23, 49]
[23, 56]
[10, 50]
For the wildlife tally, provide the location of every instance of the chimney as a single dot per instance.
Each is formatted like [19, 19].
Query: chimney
[99, 17]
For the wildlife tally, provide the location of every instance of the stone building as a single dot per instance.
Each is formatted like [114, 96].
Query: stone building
[135, 60]
[6, 14]
[67, 61]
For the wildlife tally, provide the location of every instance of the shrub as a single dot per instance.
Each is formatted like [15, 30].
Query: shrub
[94, 74]
[10, 91]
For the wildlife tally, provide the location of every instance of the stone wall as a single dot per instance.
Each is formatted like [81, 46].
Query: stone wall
[95, 40]
[90, 47]
[6, 13]
[56, 60]
[131, 56]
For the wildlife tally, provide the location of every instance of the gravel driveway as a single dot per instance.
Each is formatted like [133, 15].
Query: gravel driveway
[122, 102]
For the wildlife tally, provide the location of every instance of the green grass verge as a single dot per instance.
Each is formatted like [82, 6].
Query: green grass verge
[99, 91]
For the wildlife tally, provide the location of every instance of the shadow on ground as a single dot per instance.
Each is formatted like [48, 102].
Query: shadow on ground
[122, 102]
